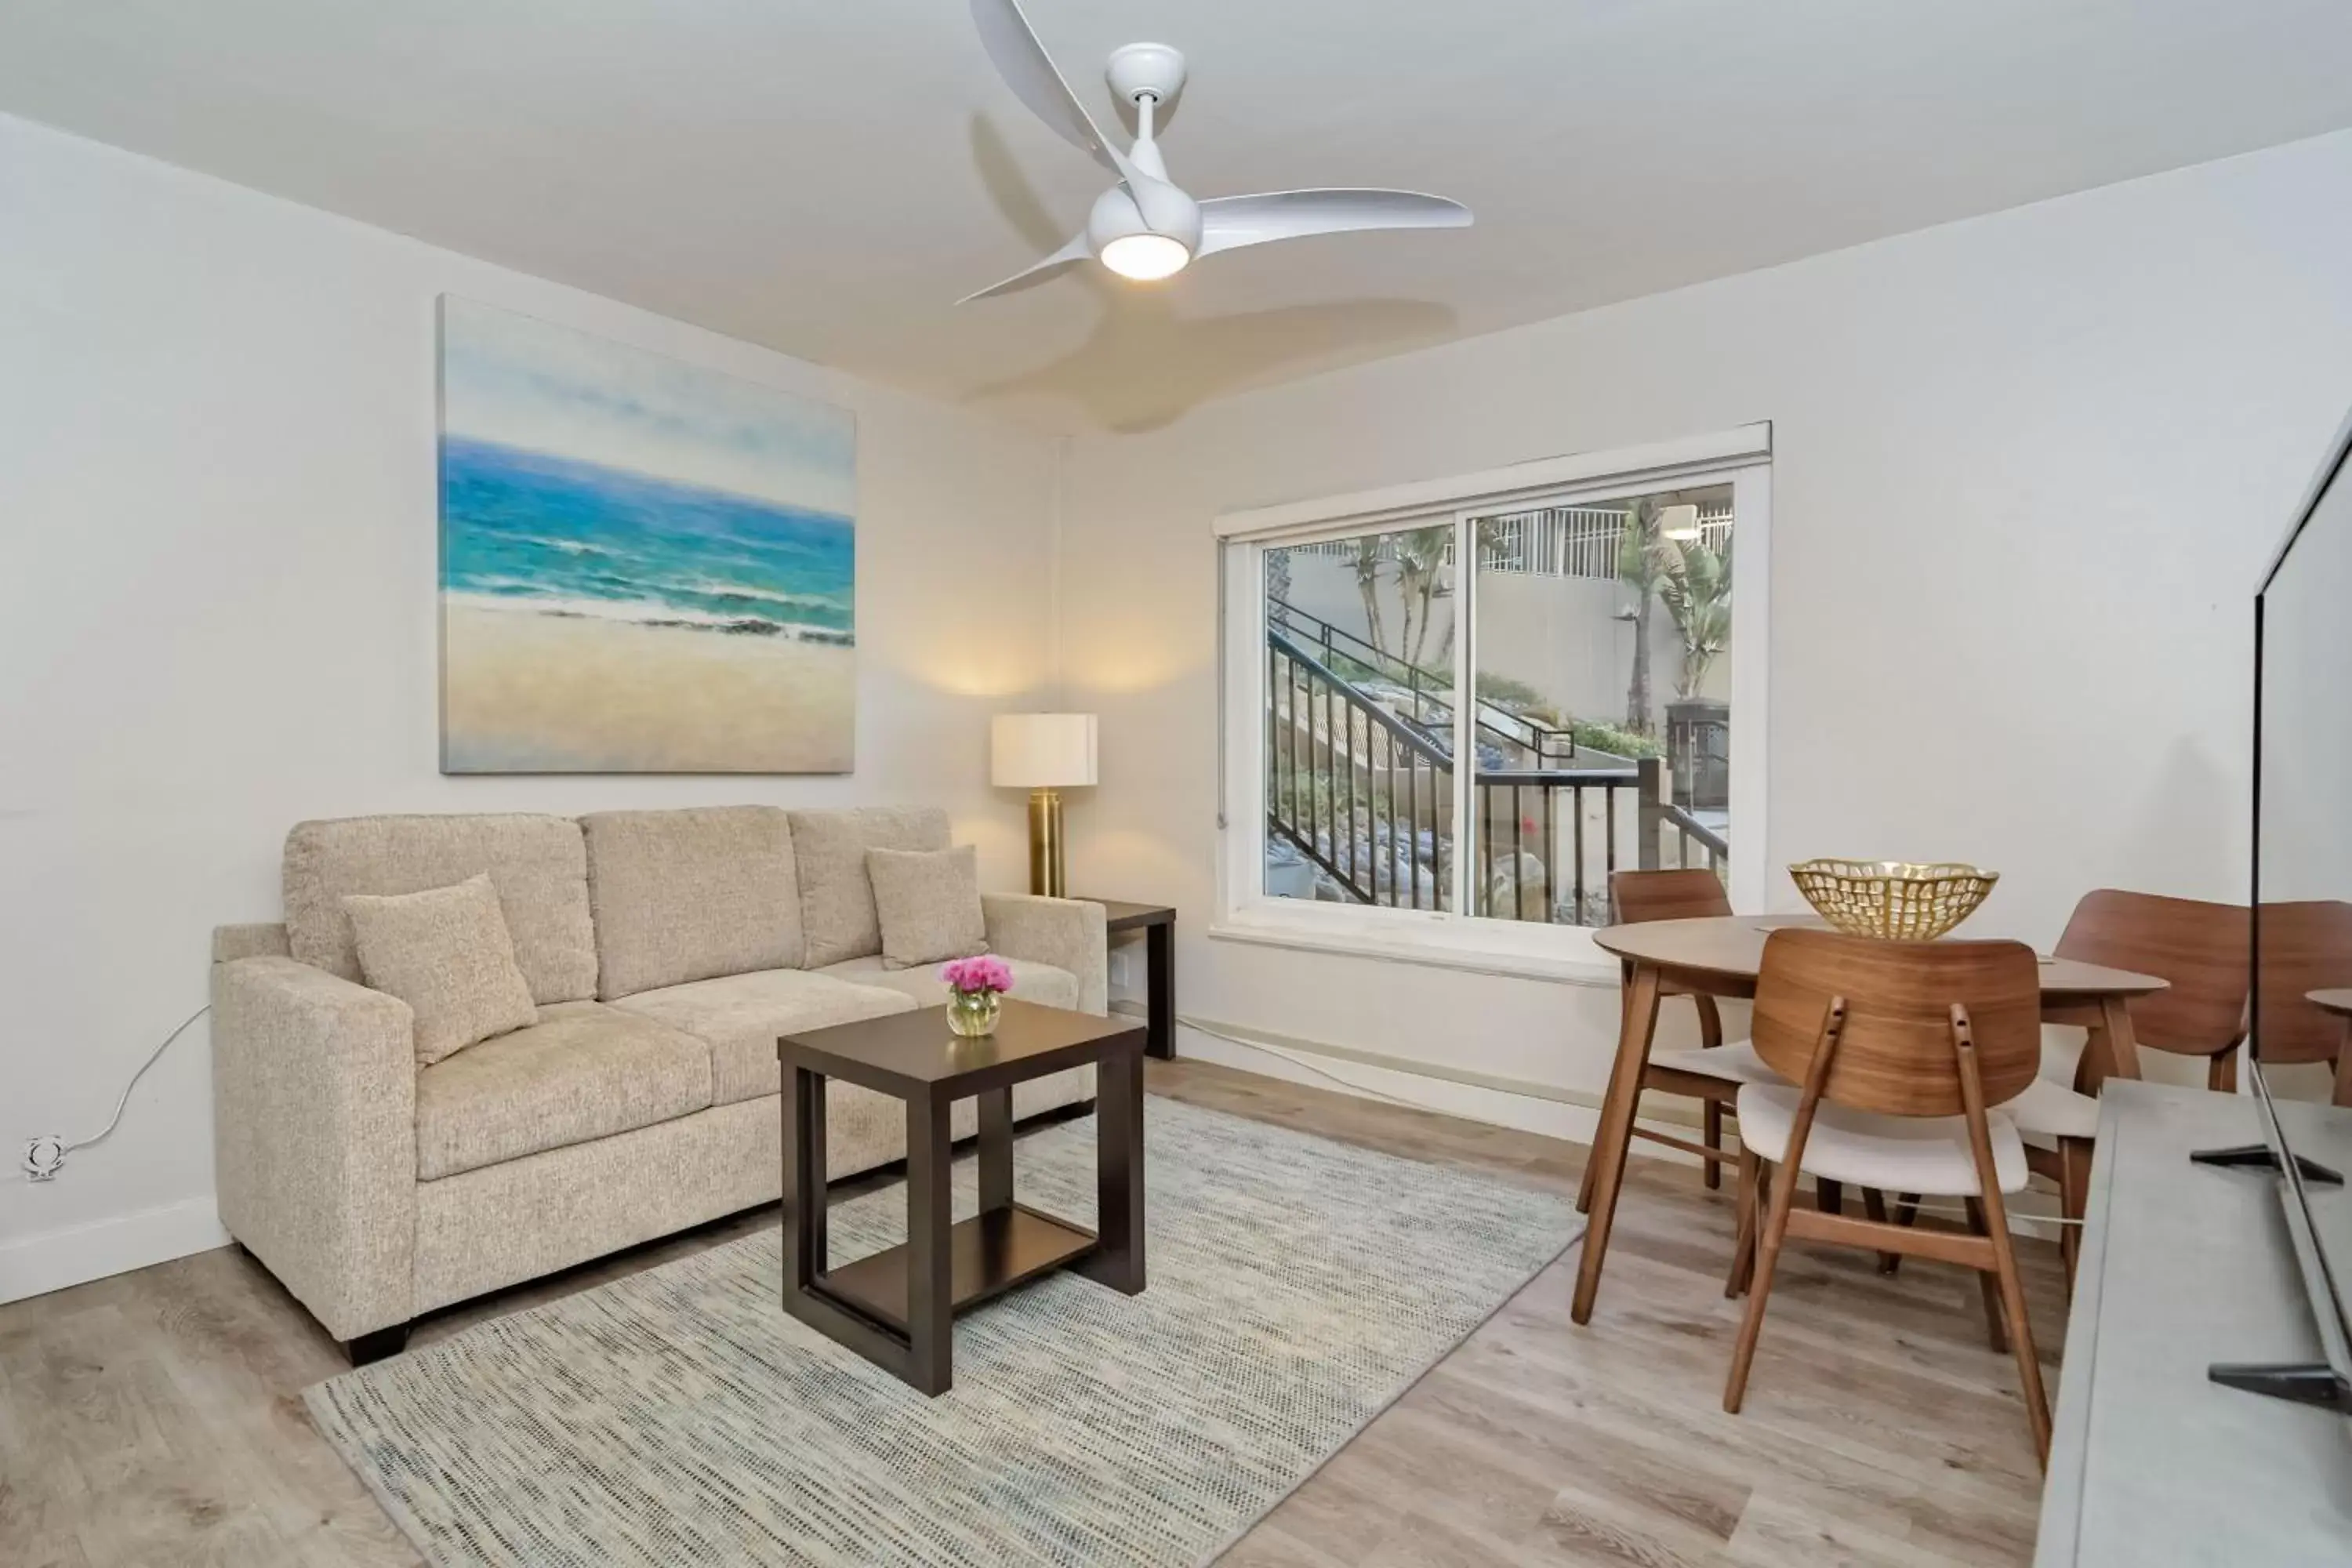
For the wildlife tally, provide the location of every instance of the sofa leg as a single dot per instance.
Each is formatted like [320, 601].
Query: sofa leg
[376, 1346]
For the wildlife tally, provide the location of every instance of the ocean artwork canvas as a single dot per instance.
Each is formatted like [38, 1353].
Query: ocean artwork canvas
[646, 566]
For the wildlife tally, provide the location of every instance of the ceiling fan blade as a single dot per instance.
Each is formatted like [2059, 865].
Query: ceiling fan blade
[1012, 43]
[1076, 251]
[1228, 222]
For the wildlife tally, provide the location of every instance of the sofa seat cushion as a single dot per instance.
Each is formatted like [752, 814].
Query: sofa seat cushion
[1032, 982]
[583, 1071]
[739, 1016]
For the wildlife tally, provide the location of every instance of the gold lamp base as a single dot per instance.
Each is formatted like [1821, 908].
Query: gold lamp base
[1045, 843]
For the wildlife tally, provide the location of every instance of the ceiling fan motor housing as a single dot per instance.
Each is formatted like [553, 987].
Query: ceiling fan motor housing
[1145, 71]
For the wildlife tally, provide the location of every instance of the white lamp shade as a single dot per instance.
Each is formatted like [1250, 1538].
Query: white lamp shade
[1678, 521]
[1042, 751]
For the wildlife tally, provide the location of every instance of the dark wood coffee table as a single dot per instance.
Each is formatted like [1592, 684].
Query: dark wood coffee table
[897, 1308]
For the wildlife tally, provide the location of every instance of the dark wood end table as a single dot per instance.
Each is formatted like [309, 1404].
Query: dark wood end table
[1158, 924]
[897, 1308]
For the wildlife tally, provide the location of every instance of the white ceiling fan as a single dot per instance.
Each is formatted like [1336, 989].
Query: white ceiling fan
[1144, 227]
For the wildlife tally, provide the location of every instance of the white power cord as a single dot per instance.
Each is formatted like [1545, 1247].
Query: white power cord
[45, 1156]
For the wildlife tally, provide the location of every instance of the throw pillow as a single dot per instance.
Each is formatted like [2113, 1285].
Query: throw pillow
[928, 904]
[447, 954]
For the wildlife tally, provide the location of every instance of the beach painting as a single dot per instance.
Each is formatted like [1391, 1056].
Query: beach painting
[646, 566]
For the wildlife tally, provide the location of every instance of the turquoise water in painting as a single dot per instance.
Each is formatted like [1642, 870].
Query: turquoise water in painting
[524, 529]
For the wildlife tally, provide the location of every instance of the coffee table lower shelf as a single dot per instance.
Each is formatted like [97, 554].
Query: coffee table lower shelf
[989, 1254]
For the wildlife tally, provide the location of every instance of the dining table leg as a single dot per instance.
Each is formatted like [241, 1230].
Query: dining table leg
[2115, 1031]
[1615, 1133]
[2109, 1047]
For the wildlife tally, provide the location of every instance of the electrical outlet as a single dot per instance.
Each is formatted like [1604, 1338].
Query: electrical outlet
[43, 1155]
[1122, 968]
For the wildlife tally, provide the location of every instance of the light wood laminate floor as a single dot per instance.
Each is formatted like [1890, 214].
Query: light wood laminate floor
[156, 1418]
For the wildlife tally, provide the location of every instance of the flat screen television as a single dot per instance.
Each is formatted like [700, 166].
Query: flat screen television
[2301, 995]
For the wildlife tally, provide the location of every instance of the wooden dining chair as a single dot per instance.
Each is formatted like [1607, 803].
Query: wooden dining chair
[1900, 1048]
[2200, 950]
[1713, 1073]
[2306, 947]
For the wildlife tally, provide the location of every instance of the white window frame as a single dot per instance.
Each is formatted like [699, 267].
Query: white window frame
[1741, 457]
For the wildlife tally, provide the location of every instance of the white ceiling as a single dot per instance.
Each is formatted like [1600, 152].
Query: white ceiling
[825, 179]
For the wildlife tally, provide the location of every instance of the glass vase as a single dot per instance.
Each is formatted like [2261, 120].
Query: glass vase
[975, 1012]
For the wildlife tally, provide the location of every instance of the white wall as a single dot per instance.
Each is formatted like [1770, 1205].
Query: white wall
[2026, 468]
[217, 562]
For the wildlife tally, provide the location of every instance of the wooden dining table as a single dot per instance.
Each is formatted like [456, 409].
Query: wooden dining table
[2338, 1002]
[1720, 955]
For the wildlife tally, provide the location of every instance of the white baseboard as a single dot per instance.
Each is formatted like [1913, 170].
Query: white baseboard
[1549, 1113]
[36, 1265]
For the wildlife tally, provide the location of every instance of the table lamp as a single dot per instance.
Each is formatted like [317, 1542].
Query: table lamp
[1044, 753]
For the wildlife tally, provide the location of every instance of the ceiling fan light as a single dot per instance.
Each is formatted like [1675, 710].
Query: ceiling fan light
[1146, 257]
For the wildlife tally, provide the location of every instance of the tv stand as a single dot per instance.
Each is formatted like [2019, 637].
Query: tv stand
[2305, 1383]
[2152, 1459]
[2257, 1156]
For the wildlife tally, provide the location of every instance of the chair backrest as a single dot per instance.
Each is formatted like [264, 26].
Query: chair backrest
[1643, 895]
[2306, 947]
[1895, 1054]
[2199, 948]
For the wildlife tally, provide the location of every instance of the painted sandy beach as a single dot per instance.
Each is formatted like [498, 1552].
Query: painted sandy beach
[564, 693]
[645, 567]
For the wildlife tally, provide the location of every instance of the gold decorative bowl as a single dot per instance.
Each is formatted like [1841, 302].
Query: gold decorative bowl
[1893, 898]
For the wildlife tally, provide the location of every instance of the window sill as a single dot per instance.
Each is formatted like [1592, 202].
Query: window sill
[1453, 947]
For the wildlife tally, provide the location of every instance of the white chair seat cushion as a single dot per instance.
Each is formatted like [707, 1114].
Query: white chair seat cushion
[1926, 1155]
[2048, 1110]
[1734, 1061]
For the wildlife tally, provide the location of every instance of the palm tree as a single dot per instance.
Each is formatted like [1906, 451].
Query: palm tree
[1698, 596]
[1420, 568]
[1646, 562]
[1368, 584]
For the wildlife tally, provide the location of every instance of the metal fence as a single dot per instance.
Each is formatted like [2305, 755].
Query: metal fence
[1550, 542]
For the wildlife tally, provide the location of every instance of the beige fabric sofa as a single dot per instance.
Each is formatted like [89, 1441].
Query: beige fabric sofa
[665, 952]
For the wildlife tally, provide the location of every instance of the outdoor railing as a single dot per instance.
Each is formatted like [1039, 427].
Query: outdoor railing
[1361, 792]
[1572, 541]
[1366, 796]
[1431, 692]
[1551, 542]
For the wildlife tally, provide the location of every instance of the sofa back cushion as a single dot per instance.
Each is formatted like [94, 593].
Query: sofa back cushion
[690, 895]
[538, 864]
[836, 895]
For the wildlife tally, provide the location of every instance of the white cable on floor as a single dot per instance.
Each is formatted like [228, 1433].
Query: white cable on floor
[46, 1155]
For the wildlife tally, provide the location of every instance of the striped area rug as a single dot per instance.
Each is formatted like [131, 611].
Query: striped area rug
[678, 1419]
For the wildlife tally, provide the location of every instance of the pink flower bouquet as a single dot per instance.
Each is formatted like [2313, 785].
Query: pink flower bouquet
[968, 976]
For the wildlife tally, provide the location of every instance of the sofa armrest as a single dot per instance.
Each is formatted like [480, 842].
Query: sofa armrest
[314, 1136]
[1067, 933]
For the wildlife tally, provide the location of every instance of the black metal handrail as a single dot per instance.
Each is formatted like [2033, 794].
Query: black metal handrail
[1367, 797]
[1694, 831]
[1544, 741]
[1342, 818]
